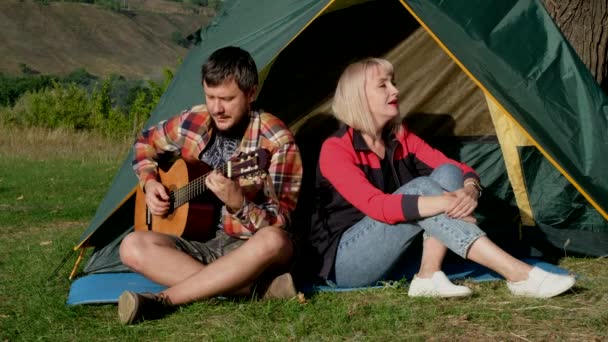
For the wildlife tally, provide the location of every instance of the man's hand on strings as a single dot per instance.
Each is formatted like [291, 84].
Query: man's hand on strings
[157, 198]
[226, 189]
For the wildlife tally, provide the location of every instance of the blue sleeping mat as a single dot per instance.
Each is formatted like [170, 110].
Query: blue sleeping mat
[106, 287]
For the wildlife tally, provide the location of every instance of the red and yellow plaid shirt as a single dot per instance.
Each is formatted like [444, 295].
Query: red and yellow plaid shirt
[268, 201]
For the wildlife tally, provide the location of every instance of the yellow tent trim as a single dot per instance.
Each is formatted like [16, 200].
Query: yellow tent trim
[489, 95]
[510, 136]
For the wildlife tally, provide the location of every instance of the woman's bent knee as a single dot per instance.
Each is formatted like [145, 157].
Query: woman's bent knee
[449, 176]
[447, 169]
[421, 186]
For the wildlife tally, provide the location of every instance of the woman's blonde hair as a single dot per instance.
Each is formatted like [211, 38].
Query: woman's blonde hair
[350, 100]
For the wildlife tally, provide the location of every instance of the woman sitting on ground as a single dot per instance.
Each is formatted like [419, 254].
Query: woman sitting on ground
[379, 186]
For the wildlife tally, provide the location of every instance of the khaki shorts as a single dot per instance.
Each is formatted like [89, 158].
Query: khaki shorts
[210, 250]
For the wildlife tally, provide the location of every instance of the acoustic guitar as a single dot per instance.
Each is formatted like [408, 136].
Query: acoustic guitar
[193, 211]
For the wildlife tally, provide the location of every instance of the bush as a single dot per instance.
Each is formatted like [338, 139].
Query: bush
[215, 4]
[115, 106]
[112, 5]
[80, 77]
[26, 70]
[178, 38]
[59, 106]
[12, 87]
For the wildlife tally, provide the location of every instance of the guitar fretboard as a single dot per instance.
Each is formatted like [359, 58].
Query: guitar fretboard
[194, 188]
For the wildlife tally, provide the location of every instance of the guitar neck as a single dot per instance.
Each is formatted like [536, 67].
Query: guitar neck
[195, 187]
[251, 163]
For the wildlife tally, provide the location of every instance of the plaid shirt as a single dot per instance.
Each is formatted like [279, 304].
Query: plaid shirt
[268, 200]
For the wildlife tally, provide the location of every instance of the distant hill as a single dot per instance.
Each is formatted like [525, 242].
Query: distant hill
[61, 36]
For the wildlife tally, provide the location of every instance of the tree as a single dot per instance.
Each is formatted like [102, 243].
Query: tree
[102, 102]
[585, 24]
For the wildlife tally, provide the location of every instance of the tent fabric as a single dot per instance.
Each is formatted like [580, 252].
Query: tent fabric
[453, 104]
[439, 88]
[568, 223]
[538, 74]
[301, 47]
[106, 258]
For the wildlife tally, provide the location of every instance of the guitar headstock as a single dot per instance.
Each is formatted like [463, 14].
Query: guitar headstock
[256, 161]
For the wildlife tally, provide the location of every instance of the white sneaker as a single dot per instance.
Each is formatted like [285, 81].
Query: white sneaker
[541, 284]
[437, 286]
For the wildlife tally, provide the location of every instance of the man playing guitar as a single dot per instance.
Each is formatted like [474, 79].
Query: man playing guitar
[250, 243]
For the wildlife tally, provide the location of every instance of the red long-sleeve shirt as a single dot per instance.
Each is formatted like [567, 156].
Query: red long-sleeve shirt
[350, 185]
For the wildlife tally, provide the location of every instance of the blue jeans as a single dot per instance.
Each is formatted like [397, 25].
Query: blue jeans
[370, 249]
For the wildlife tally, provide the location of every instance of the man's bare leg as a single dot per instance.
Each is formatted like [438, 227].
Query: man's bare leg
[154, 255]
[270, 246]
[190, 280]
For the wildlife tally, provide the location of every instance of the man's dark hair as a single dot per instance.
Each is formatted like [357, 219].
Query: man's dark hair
[230, 62]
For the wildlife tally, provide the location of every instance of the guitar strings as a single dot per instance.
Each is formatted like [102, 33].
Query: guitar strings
[184, 194]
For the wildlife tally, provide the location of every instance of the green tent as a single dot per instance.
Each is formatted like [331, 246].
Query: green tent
[492, 83]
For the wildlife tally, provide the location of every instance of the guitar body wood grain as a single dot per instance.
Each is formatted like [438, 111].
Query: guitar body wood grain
[193, 220]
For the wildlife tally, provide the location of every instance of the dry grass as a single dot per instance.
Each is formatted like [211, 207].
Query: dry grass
[39, 144]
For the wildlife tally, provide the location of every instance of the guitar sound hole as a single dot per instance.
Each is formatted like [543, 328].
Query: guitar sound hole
[171, 208]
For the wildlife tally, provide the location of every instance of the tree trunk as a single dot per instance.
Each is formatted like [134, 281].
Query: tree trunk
[585, 24]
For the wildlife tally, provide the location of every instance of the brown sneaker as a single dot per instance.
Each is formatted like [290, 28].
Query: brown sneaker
[281, 287]
[133, 306]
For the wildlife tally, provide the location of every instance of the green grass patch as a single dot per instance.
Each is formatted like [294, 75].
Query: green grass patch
[36, 193]
[47, 200]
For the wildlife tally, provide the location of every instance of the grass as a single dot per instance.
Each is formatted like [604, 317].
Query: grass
[50, 186]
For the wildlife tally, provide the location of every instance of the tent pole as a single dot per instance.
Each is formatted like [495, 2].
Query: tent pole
[76, 264]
